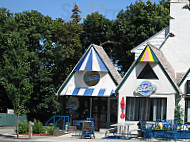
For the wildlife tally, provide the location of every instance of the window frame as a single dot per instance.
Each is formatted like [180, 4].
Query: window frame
[188, 87]
[147, 66]
[150, 107]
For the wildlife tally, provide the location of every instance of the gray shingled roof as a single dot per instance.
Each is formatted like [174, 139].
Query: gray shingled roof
[167, 66]
[113, 72]
[179, 77]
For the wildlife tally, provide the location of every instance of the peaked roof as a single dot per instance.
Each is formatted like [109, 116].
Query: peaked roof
[162, 62]
[184, 77]
[102, 59]
[147, 55]
[158, 43]
[91, 62]
[113, 72]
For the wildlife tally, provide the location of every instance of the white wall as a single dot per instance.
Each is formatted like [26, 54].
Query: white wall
[176, 49]
[77, 82]
[181, 100]
[164, 89]
[183, 85]
[155, 40]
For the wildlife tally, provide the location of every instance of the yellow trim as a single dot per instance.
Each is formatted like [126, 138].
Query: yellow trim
[142, 59]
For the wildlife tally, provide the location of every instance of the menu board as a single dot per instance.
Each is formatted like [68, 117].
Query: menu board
[87, 128]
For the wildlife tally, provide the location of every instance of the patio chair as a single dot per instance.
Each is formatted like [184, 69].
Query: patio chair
[111, 130]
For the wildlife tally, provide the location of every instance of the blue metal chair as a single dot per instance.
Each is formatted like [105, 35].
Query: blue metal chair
[90, 119]
[146, 128]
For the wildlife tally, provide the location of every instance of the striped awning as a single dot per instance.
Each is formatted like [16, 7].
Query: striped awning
[89, 92]
[91, 62]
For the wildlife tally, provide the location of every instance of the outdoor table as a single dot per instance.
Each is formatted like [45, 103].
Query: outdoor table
[123, 128]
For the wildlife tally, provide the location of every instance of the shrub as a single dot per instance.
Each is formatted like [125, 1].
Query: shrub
[38, 127]
[179, 114]
[23, 127]
[51, 131]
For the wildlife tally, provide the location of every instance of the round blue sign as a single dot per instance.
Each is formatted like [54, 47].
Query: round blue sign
[91, 78]
[145, 88]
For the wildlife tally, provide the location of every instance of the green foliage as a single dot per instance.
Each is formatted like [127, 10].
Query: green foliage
[179, 113]
[26, 63]
[51, 131]
[37, 53]
[75, 16]
[23, 127]
[134, 25]
[38, 127]
[97, 29]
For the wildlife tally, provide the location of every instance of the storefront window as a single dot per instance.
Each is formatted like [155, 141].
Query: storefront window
[188, 110]
[113, 110]
[188, 86]
[146, 109]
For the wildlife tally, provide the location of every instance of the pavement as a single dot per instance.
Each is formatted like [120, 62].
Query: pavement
[8, 135]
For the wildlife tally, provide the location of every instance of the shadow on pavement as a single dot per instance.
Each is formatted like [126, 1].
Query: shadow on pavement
[6, 136]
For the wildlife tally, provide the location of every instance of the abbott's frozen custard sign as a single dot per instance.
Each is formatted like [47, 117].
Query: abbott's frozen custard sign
[91, 78]
[146, 88]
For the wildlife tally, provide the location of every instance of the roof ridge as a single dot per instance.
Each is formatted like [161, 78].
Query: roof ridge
[167, 66]
[105, 58]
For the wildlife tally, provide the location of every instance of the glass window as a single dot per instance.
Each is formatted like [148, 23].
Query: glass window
[188, 86]
[113, 110]
[188, 110]
[146, 109]
[147, 73]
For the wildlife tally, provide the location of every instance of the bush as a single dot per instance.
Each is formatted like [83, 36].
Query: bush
[51, 131]
[38, 127]
[179, 114]
[23, 127]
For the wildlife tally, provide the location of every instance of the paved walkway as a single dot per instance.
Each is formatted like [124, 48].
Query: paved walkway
[9, 135]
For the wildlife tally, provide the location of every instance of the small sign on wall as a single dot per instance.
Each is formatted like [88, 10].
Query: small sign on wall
[146, 88]
[10, 111]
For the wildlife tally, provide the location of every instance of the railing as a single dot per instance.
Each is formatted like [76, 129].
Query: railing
[168, 129]
[56, 119]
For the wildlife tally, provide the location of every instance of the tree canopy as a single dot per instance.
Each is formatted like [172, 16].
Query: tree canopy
[37, 53]
[75, 16]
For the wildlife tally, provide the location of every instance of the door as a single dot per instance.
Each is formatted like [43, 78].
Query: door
[96, 113]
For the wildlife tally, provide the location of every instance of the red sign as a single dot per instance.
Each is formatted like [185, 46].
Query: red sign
[74, 115]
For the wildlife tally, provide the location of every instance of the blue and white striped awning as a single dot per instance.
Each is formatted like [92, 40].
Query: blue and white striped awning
[89, 92]
[91, 62]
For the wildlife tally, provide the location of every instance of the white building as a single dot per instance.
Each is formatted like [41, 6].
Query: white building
[159, 78]
[88, 92]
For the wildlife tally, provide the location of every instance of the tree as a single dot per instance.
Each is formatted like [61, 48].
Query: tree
[6, 25]
[134, 25]
[179, 114]
[36, 29]
[31, 33]
[15, 79]
[75, 16]
[68, 49]
[98, 30]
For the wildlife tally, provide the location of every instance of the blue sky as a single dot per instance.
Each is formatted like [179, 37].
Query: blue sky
[62, 8]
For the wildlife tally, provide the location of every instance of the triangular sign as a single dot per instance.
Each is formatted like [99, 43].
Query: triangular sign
[148, 55]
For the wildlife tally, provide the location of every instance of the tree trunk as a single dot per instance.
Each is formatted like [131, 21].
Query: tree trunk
[17, 124]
